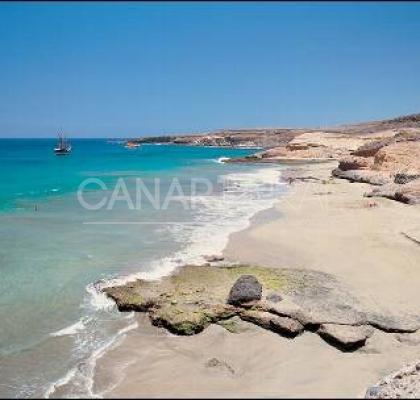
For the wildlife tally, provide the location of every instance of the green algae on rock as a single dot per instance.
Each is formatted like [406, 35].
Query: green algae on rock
[194, 296]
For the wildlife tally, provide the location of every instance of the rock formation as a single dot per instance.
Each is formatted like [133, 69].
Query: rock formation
[245, 289]
[194, 297]
[404, 383]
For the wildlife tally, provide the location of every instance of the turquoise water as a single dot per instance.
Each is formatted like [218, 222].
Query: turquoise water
[52, 250]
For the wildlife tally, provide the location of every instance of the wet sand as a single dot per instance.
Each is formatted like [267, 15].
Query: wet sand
[327, 227]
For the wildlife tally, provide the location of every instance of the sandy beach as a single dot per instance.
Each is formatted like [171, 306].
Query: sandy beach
[321, 224]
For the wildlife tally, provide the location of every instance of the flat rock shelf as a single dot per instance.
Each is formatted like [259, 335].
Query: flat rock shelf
[292, 301]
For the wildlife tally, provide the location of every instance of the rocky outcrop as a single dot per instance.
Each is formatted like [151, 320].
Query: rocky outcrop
[371, 148]
[388, 191]
[245, 289]
[408, 193]
[398, 157]
[364, 176]
[188, 301]
[194, 297]
[392, 163]
[404, 177]
[404, 383]
[352, 163]
[264, 138]
[344, 336]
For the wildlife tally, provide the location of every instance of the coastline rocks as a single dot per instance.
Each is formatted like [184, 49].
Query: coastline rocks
[128, 299]
[398, 157]
[387, 191]
[346, 337]
[351, 163]
[245, 289]
[393, 163]
[287, 308]
[187, 301]
[370, 149]
[283, 325]
[363, 176]
[404, 383]
[213, 258]
[189, 320]
[192, 298]
[408, 193]
[304, 151]
[274, 297]
[405, 177]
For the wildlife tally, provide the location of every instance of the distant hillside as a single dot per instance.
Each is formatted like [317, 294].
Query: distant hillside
[271, 137]
[405, 121]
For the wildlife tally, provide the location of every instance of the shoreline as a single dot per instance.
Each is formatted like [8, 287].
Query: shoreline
[306, 376]
[193, 252]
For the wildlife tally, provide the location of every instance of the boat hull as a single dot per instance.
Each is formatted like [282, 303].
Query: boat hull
[62, 152]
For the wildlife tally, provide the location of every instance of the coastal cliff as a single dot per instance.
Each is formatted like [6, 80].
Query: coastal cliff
[383, 153]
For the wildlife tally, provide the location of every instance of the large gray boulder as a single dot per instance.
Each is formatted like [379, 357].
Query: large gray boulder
[245, 289]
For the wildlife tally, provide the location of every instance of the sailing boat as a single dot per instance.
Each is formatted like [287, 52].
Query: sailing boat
[63, 147]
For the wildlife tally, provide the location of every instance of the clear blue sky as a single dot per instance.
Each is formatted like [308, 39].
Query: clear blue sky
[109, 70]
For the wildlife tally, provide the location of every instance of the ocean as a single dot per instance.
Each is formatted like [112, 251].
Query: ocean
[104, 214]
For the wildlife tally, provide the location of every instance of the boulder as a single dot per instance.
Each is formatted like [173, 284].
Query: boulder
[245, 289]
[346, 337]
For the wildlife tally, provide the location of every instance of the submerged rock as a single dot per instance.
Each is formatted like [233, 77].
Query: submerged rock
[245, 289]
[213, 258]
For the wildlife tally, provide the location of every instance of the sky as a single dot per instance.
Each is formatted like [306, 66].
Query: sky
[135, 69]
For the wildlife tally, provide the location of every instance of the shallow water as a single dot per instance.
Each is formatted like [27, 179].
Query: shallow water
[55, 322]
